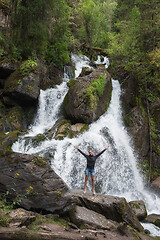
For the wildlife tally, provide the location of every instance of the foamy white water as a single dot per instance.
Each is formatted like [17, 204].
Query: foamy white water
[80, 62]
[116, 169]
[154, 230]
[102, 60]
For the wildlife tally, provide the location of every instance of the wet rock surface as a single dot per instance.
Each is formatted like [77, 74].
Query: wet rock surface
[30, 177]
[113, 208]
[154, 219]
[139, 208]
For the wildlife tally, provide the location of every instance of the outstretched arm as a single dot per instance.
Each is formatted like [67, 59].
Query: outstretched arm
[76, 147]
[97, 155]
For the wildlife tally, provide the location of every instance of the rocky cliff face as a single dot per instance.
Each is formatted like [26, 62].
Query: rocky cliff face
[88, 96]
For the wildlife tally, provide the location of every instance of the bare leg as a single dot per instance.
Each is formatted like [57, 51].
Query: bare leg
[93, 185]
[85, 184]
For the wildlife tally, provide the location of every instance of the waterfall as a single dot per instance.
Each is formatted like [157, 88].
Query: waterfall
[116, 169]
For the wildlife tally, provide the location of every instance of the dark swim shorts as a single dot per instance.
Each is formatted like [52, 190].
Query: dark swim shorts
[89, 171]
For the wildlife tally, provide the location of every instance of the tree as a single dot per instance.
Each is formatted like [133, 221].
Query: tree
[95, 17]
[39, 28]
[90, 21]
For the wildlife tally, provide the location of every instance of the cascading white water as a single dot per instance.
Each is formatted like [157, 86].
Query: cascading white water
[116, 170]
[50, 101]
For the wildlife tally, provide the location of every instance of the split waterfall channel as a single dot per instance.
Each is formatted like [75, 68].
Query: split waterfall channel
[116, 170]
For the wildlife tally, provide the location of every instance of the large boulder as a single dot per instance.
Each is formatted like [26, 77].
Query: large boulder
[88, 97]
[113, 208]
[31, 183]
[23, 84]
[82, 216]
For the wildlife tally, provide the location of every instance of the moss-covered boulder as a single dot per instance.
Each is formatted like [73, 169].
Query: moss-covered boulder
[23, 84]
[88, 97]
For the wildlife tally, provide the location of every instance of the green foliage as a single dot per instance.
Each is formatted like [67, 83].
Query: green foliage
[57, 51]
[38, 28]
[27, 67]
[4, 220]
[58, 54]
[71, 82]
[95, 89]
[99, 84]
[95, 19]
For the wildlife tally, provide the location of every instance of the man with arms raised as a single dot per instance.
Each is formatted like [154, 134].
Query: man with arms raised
[91, 159]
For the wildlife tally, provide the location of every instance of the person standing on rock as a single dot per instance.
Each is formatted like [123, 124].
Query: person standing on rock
[91, 159]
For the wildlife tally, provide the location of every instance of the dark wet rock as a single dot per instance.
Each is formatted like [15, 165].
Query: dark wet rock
[49, 76]
[7, 67]
[14, 117]
[114, 208]
[139, 208]
[138, 128]
[83, 102]
[82, 216]
[8, 101]
[39, 188]
[156, 184]
[154, 219]
[7, 139]
[86, 71]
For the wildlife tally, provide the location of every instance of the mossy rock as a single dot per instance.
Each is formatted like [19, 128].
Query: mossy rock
[39, 161]
[6, 140]
[89, 97]
[63, 130]
[86, 71]
[14, 80]
[12, 118]
[23, 84]
[71, 83]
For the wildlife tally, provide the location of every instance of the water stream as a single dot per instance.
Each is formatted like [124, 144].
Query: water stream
[116, 170]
